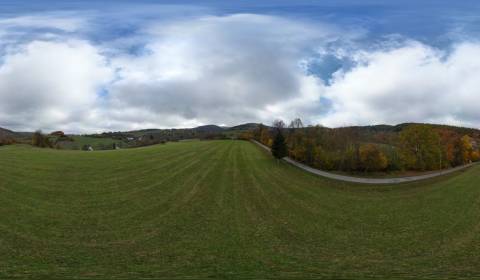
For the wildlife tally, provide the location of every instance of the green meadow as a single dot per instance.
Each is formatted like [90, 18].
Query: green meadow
[224, 209]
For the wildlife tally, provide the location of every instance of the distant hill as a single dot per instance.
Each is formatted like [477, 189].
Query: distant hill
[399, 127]
[216, 128]
[6, 133]
[245, 126]
[211, 128]
[458, 129]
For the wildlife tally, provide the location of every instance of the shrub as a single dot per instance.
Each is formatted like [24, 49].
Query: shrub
[40, 140]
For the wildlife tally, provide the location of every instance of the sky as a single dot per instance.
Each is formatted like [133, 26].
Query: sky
[92, 66]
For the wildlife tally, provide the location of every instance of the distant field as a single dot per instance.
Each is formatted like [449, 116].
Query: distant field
[224, 209]
[96, 143]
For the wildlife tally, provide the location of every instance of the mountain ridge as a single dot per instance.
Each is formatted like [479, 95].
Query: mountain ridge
[213, 128]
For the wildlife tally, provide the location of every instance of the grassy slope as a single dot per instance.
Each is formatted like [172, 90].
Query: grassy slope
[224, 209]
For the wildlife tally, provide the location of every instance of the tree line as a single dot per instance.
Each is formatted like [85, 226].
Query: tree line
[5, 140]
[419, 147]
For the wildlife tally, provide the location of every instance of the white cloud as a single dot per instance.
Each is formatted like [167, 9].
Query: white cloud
[51, 85]
[221, 70]
[414, 82]
[228, 70]
[63, 22]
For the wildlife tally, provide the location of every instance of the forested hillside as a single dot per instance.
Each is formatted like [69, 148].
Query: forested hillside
[409, 146]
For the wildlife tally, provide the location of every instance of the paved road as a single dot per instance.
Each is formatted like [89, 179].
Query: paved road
[367, 180]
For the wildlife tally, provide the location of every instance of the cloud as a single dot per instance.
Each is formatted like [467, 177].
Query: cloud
[51, 85]
[225, 70]
[60, 21]
[414, 82]
[229, 69]
[49, 26]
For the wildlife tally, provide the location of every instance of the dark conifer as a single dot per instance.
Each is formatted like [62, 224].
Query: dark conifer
[279, 147]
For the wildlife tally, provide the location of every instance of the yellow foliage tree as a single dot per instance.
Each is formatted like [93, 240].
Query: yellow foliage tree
[420, 146]
[466, 149]
[269, 142]
[265, 137]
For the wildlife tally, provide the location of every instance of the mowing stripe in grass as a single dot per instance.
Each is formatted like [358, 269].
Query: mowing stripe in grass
[224, 209]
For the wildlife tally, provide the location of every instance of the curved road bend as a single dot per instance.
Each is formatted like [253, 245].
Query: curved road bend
[366, 180]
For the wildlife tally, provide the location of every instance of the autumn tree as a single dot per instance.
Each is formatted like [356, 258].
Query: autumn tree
[261, 134]
[295, 140]
[246, 135]
[465, 149]
[372, 158]
[449, 141]
[351, 158]
[323, 159]
[421, 149]
[476, 156]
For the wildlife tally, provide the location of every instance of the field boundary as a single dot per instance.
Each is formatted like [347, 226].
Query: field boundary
[373, 181]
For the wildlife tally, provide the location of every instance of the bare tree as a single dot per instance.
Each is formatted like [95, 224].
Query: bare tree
[296, 123]
[279, 124]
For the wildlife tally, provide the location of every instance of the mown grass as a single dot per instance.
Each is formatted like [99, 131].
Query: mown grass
[224, 209]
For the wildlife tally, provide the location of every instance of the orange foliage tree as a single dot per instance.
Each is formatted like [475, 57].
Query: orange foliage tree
[372, 158]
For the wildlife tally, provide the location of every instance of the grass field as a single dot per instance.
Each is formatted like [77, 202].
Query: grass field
[224, 209]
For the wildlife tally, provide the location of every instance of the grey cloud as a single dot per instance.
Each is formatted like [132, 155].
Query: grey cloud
[234, 67]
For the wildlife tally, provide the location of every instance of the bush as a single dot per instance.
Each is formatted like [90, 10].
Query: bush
[40, 140]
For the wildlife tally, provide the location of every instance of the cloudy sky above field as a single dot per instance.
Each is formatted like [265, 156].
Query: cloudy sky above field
[84, 66]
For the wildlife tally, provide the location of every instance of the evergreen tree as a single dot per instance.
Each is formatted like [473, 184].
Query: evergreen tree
[279, 147]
